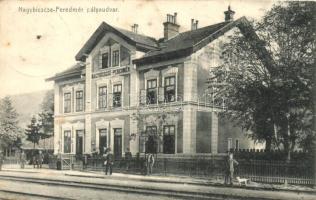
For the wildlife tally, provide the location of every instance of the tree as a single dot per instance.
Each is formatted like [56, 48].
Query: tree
[10, 132]
[46, 116]
[153, 117]
[272, 100]
[33, 132]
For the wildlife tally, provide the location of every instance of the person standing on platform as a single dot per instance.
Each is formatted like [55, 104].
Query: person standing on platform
[109, 162]
[22, 159]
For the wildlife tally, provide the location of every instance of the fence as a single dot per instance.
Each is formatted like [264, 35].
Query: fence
[265, 171]
[272, 171]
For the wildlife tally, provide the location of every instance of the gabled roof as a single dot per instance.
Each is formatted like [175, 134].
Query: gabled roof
[186, 43]
[186, 39]
[73, 71]
[142, 42]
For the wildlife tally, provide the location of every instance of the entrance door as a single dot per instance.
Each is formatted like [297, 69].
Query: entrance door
[102, 140]
[117, 143]
[79, 142]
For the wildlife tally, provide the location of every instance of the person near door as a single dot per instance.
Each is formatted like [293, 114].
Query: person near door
[109, 162]
[104, 156]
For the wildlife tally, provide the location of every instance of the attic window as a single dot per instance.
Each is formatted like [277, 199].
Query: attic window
[105, 60]
[116, 57]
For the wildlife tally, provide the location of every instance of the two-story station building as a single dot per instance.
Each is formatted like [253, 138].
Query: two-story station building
[126, 87]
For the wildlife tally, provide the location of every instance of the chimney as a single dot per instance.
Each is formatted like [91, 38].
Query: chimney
[171, 28]
[194, 25]
[134, 28]
[229, 15]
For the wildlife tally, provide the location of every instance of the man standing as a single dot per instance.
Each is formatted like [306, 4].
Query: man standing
[226, 170]
[109, 161]
[231, 164]
[150, 161]
[34, 159]
[22, 159]
[128, 158]
[40, 158]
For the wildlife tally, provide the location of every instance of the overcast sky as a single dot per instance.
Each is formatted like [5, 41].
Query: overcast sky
[26, 60]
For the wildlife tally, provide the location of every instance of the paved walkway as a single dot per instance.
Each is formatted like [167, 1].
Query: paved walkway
[170, 183]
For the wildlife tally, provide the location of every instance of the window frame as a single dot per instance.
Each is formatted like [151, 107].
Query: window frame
[103, 65]
[167, 92]
[79, 101]
[67, 102]
[116, 58]
[151, 89]
[68, 141]
[115, 93]
[102, 98]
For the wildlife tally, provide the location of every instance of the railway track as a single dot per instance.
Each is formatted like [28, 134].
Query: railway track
[130, 189]
[25, 195]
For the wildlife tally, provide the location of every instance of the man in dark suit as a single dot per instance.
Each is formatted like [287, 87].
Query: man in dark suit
[109, 161]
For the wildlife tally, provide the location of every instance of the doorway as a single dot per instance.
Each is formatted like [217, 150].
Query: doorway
[102, 140]
[79, 142]
[117, 143]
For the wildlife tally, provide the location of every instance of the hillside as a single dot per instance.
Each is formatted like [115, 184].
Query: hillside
[27, 105]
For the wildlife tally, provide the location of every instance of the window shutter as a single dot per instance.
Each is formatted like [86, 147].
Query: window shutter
[143, 97]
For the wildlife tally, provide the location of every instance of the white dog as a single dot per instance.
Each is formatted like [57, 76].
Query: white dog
[242, 181]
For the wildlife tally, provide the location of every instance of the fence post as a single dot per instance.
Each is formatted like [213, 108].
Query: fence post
[165, 166]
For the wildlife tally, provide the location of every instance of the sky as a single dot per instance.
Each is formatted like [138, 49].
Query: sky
[37, 45]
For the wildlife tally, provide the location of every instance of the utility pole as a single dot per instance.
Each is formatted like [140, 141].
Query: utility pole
[314, 122]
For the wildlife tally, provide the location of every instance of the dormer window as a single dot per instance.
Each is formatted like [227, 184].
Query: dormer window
[115, 58]
[105, 60]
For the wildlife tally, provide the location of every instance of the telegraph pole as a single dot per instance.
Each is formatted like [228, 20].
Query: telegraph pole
[314, 122]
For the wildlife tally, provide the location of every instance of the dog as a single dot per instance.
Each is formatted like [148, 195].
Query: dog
[242, 181]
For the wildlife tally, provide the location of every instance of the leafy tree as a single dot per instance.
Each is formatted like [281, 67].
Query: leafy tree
[157, 117]
[10, 132]
[33, 132]
[268, 80]
[47, 115]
